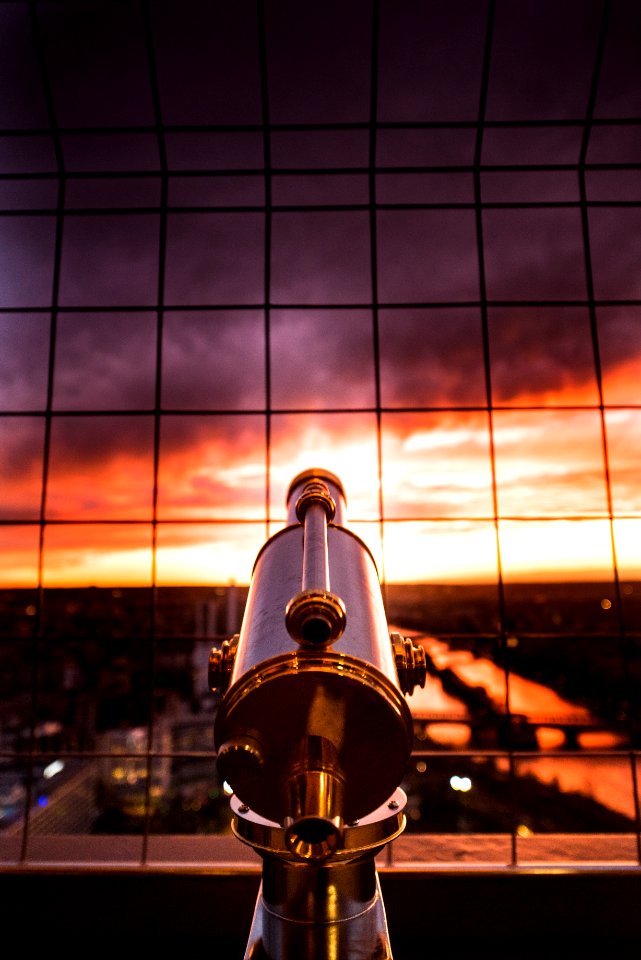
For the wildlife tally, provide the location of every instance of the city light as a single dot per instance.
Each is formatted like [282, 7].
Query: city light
[463, 784]
[57, 766]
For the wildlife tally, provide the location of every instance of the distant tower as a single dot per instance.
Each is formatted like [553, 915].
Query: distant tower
[206, 619]
[205, 627]
[232, 619]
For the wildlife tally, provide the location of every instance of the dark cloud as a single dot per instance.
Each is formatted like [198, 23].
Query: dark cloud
[430, 73]
[19, 70]
[427, 255]
[616, 259]
[431, 357]
[318, 61]
[542, 59]
[534, 254]
[214, 360]
[22, 444]
[24, 361]
[88, 443]
[322, 358]
[619, 339]
[109, 260]
[543, 353]
[26, 260]
[214, 49]
[320, 257]
[325, 276]
[97, 63]
[105, 361]
[215, 258]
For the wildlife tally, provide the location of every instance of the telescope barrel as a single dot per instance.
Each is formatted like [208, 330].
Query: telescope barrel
[291, 687]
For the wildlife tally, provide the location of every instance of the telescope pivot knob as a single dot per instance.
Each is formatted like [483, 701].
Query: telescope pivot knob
[221, 664]
[411, 664]
[315, 617]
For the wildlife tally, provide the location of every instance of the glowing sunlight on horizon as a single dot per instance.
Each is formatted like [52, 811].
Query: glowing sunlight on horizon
[551, 519]
[436, 491]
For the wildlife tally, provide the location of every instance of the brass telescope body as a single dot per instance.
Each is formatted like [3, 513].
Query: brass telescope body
[313, 732]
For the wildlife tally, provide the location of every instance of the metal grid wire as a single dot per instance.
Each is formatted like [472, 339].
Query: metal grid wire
[43, 625]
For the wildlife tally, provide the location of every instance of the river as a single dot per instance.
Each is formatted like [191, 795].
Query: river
[588, 770]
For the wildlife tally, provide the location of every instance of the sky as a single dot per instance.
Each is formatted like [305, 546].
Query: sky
[236, 243]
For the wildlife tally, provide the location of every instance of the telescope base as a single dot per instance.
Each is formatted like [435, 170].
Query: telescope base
[362, 936]
[320, 908]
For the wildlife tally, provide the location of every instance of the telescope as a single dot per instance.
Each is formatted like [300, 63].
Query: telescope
[313, 732]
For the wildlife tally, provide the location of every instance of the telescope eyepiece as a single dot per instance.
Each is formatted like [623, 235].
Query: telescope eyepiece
[314, 826]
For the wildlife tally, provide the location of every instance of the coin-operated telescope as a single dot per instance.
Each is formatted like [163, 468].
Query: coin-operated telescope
[313, 732]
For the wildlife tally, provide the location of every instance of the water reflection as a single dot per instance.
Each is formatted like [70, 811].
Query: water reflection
[607, 780]
[507, 694]
[520, 695]
[450, 720]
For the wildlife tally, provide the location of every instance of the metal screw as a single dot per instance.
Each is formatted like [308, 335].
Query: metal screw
[243, 808]
[353, 823]
[393, 804]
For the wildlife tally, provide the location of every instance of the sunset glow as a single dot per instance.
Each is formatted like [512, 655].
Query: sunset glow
[549, 464]
[552, 521]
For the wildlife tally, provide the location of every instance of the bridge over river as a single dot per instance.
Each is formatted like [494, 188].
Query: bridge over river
[471, 699]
